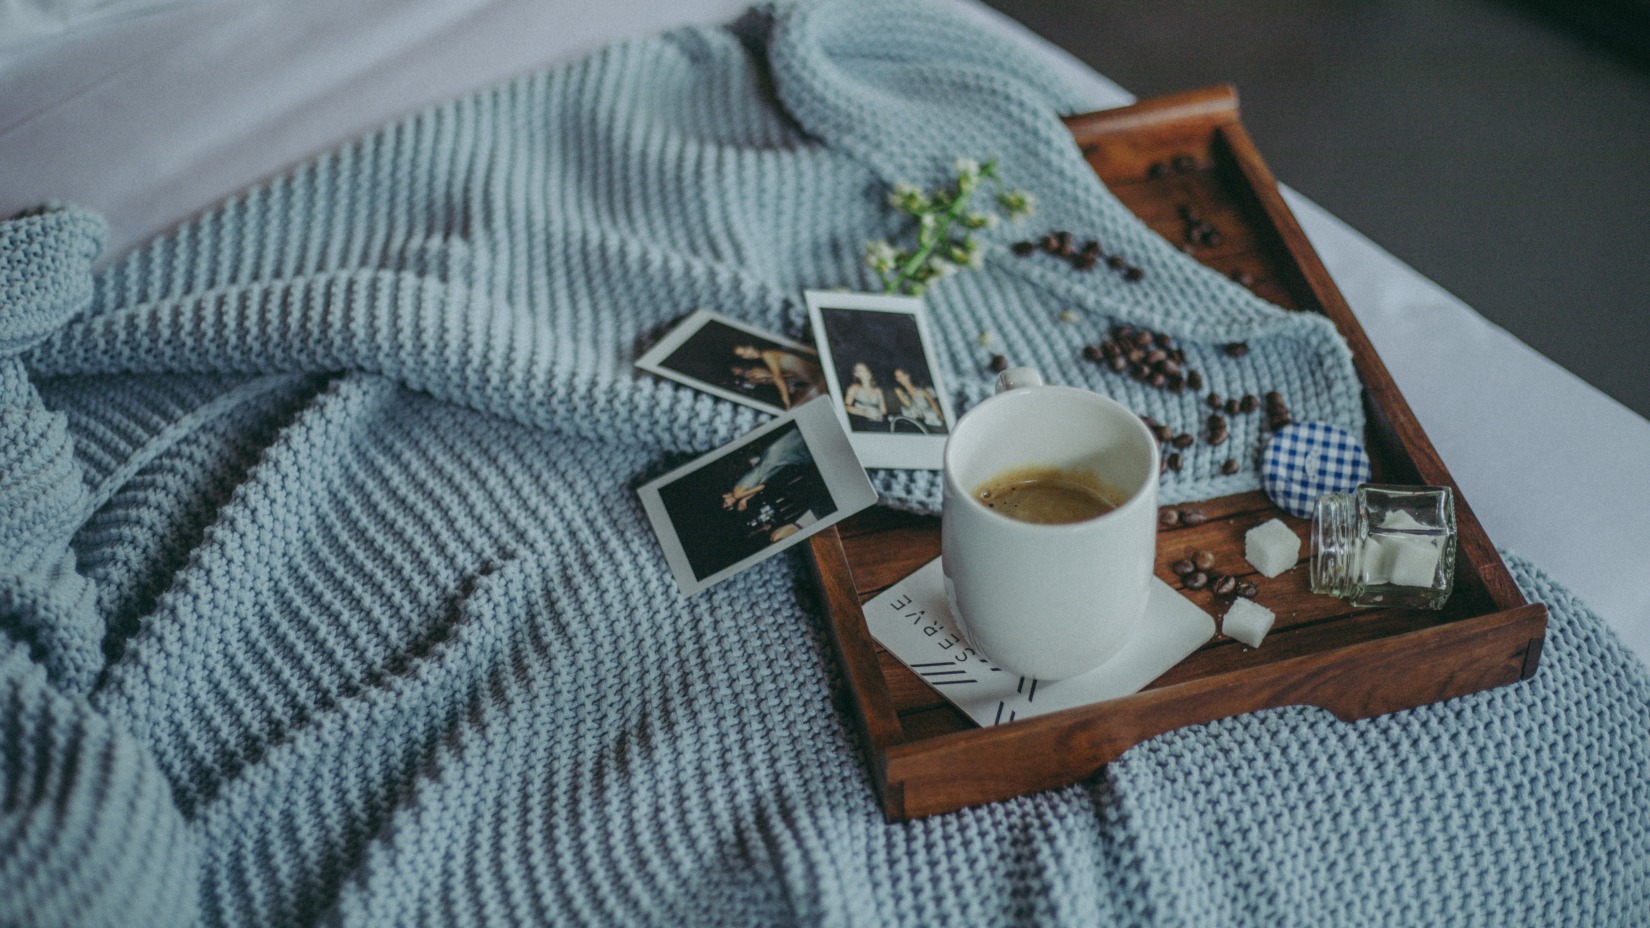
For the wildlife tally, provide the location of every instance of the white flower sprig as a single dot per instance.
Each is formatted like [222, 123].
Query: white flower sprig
[939, 252]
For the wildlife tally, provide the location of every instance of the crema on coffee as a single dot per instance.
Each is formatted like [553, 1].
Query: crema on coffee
[1048, 495]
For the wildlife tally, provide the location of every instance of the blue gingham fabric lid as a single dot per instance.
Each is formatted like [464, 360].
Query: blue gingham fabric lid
[1308, 459]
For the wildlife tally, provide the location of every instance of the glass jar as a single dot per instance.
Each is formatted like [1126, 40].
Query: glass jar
[1385, 546]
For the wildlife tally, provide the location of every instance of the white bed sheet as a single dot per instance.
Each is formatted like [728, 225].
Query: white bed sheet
[151, 119]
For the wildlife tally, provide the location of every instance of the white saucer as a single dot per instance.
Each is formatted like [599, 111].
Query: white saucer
[911, 619]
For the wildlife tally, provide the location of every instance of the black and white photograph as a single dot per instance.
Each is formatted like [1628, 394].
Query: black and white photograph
[725, 358]
[768, 490]
[880, 371]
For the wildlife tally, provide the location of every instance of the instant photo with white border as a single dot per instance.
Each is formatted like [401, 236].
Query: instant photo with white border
[769, 489]
[866, 342]
[696, 344]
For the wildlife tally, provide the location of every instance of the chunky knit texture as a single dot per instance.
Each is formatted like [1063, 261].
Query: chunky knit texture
[325, 595]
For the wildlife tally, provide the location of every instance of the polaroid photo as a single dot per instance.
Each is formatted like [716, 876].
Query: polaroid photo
[713, 353]
[766, 491]
[881, 373]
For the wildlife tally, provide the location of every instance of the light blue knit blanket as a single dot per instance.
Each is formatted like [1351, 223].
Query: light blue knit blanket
[325, 595]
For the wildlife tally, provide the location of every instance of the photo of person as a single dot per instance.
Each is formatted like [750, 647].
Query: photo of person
[880, 369]
[864, 399]
[737, 362]
[774, 487]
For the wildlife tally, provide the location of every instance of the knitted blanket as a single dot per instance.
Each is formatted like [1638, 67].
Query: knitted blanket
[325, 595]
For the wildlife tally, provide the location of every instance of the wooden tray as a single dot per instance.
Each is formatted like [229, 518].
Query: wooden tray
[928, 758]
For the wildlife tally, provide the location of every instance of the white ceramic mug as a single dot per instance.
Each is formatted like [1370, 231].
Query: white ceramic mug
[1049, 601]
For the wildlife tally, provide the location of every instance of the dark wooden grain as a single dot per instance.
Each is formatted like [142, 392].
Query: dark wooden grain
[930, 758]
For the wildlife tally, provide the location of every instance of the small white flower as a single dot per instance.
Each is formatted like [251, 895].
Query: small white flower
[979, 220]
[1017, 203]
[880, 256]
[942, 267]
[967, 168]
[986, 338]
[1069, 315]
[907, 197]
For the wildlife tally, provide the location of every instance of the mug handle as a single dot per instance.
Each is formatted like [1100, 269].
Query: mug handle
[1017, 378]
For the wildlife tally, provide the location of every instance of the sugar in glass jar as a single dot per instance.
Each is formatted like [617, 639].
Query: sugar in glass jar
[1385, 545]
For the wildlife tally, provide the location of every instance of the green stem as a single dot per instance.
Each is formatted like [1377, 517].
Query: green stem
[942, 232]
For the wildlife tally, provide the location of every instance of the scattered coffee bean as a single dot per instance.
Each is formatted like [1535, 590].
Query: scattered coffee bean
[1158, 380]
[1021, 249]
[1203, 559]
[1194, 380]
[1115, 262]
[1182, 567]
[1133, 274]
[1243, 278]
[1192, 517]
[1248, 590]
[1092, 353]
[1175, 465]
[1157, 169]
[1050, 243]
[1196, 580]
[1183, 440]
[1218, 438]
[1279, 423]
[1118, 363]
[1216, 423]
[1168, 518]
[1188, 213]
[1214, 401]
[998, 364]
[1185, 164]
[1237, 349]
[1230, 467]
[1091, 247]
[1163, 432]
[1085, 262]
[1224, 585]
[1248, 403]
[1274, 400]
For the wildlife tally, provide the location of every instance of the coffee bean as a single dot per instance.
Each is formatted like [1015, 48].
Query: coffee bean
[1279, 423]
[1133, 274]
[1188, 213]
[1230, 467]
[1158, 380]
[1157, 169]
[1211, 237]
[1248, 590]
[998, 364]
[1224, 585]
[1050, 243]
[1118, 363]
[1243, 278]
[1231, 407]
[1274, 399]
[1085, 262]
[1168, 518]
[1150, 422]
[1192, 517]
[1115, 262]
[1156, 356]
[1091, 353]
[1216, 422]
[1203, 559]
[1214, 401]
[1237, 349]
[1196, 580]
[1183, 440]
[1218, 438]
[1185, 164]
[1194, 380]
[1022, 249]
[1163, 432]
[1176, 383]
[1182, 567]
[1248, 403]
[1109, 349]
[1174, 465]
[1091, 247]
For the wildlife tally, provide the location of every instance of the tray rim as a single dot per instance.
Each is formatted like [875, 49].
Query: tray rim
[1390, 417]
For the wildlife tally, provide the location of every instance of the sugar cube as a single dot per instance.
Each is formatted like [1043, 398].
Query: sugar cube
[1402, 560]
[1271, 547]
[1247, 621]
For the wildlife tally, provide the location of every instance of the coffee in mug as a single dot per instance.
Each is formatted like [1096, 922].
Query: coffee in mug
[1051, 586]
[1048, 495]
